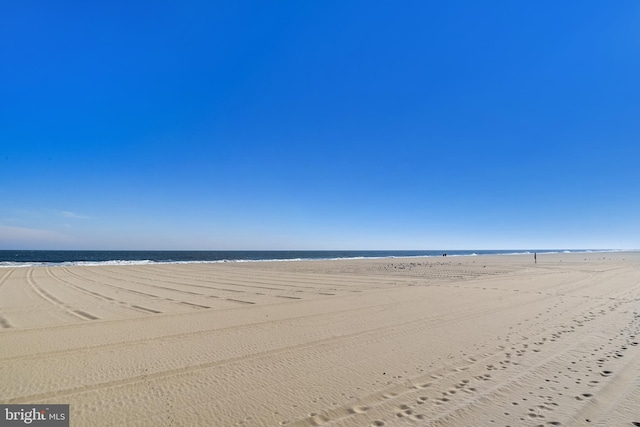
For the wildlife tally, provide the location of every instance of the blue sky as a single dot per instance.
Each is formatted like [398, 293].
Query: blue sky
[319, 125]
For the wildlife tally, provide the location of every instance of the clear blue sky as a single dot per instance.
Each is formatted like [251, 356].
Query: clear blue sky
[319, 125]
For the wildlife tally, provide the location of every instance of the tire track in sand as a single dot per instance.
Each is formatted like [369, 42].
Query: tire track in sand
[129, 280]
[373, 334]
[102, 297]
[55, 301]
[443, 402]
[4, 322]
[131, 291]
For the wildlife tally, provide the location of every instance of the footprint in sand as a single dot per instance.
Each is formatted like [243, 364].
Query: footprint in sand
[422, 386]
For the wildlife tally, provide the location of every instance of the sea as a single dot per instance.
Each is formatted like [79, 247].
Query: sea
[34, 258]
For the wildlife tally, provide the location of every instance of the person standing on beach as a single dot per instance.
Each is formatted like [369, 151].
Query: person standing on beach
[535, 258]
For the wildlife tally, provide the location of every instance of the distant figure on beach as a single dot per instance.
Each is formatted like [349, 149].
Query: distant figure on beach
[535, 258]
[444, 254]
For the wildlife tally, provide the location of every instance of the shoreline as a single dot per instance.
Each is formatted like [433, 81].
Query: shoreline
[11, 264]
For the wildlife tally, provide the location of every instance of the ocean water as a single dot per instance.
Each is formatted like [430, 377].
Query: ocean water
[25, 258]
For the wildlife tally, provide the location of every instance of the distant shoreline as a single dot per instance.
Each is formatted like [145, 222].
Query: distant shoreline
[44, 258]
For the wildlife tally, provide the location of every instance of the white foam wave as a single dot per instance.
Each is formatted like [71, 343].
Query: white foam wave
[11, 264]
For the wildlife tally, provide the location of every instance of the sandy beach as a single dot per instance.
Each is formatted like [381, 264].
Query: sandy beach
[455, 341]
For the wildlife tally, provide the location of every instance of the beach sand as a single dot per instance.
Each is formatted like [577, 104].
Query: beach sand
[455, 341]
